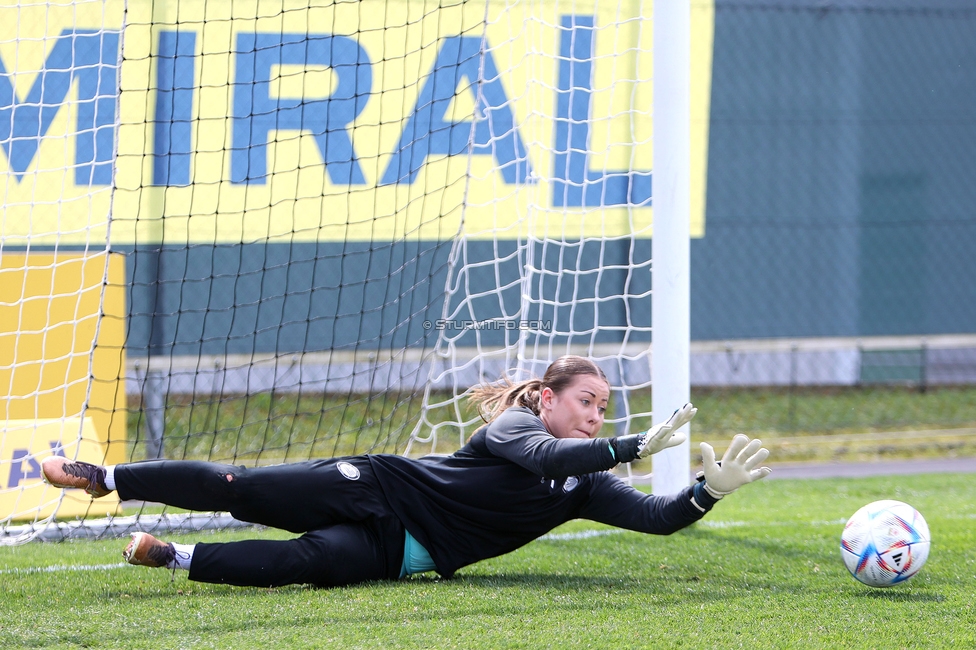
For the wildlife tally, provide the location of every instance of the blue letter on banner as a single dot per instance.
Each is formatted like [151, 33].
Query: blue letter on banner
[17, 473]
[91, 58]
[175, 78]
[428, 134]
[574, 184]
[256, 113]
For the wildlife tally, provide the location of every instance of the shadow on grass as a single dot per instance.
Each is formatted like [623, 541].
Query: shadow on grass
[902, 596]
[770, 546]
[541, 581]
[547, 581]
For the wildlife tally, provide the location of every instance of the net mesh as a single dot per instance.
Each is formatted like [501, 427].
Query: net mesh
[328, 221]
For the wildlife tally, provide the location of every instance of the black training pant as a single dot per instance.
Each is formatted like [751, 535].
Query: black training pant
[350, 532]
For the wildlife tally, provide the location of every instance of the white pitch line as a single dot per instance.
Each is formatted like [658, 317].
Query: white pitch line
[57, 568]
[583, 534]
[708, 523]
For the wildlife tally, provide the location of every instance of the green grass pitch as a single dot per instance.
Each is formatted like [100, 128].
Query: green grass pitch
[763, 570]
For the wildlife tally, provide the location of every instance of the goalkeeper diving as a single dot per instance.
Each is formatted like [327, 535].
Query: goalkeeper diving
[536, 463]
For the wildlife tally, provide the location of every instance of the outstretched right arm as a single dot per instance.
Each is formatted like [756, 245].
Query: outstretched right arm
[519, 436]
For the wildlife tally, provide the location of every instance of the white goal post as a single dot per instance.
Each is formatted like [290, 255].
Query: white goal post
[671, 250]
[328, 221]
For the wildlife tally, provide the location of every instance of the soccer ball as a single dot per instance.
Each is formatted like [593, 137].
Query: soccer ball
[885, 543]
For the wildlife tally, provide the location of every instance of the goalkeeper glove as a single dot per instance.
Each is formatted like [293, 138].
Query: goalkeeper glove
[663, 436]
[739, 465]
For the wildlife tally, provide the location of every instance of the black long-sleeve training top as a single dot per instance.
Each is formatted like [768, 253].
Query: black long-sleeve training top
[513, 482]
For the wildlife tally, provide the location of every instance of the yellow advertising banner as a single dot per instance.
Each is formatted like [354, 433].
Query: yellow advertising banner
[280, 120]
[25, 443]
[62, 366]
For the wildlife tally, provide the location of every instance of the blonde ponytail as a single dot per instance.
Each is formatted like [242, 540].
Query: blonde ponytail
[493, 399]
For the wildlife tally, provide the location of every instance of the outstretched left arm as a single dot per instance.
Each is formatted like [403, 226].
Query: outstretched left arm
[615, 503]
[612, 502]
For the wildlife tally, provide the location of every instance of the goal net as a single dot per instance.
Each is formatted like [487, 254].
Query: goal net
[278, 230]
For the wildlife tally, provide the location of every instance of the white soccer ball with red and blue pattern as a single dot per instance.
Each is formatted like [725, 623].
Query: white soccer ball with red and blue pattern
[885, 543]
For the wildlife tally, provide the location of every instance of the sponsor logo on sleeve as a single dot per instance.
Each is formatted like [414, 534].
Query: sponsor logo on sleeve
[348, 470]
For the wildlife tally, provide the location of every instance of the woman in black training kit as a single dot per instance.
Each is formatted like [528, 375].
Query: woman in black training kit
[535, 465]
